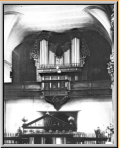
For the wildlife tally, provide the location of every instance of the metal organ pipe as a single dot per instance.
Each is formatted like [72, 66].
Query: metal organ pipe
[75, 52]
[48, 57]
[46, 52]
[67, 57]
[40, 53]
[72, 52]
[51, 57]
[79, 51]
[43, 52]
[61, 60]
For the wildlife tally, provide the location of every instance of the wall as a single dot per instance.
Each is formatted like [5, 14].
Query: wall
[92, 112]
[7, 70]
[23, 67]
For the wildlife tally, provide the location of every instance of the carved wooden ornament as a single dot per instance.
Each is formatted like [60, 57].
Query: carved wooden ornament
[57, 101]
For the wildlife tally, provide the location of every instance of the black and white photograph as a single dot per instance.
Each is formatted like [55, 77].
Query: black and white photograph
[59, 74]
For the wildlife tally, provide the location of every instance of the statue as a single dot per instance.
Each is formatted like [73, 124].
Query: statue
[98, 134]
[19, 132]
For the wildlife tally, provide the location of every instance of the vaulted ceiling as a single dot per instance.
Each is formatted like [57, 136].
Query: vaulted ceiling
[22, 20]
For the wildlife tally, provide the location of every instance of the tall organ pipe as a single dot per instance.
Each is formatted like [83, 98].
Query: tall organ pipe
[51, 57]
[75, 52]
[67, 57]
[40, 53]
[43, 52]
[72, 52]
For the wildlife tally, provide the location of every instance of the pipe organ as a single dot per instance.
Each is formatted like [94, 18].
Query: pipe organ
[71, 56]
[58, 56]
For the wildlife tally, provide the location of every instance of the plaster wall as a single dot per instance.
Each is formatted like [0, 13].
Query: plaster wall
[92, 112]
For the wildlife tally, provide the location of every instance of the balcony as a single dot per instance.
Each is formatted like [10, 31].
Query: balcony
[55, 87]
[76, 89]
[53, 68]
[26, 89]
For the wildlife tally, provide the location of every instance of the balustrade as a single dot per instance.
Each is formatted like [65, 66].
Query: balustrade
[68, 138]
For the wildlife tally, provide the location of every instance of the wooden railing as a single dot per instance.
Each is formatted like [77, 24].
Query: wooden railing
[77, 138]
[71, 65]
[74, 85]
[11, 138]
[86, 140]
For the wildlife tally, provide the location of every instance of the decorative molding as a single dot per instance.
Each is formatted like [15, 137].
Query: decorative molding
[53, 47]
[84, 51]
[75, 33]
[111, 67]
[112, 7]
[57, 101]
[47, 123]
[44, 35]
[112, 22]
[112, 17]
[34, 51]
[66, 46]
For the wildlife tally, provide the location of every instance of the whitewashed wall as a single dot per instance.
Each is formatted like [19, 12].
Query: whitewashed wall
[91, 112]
